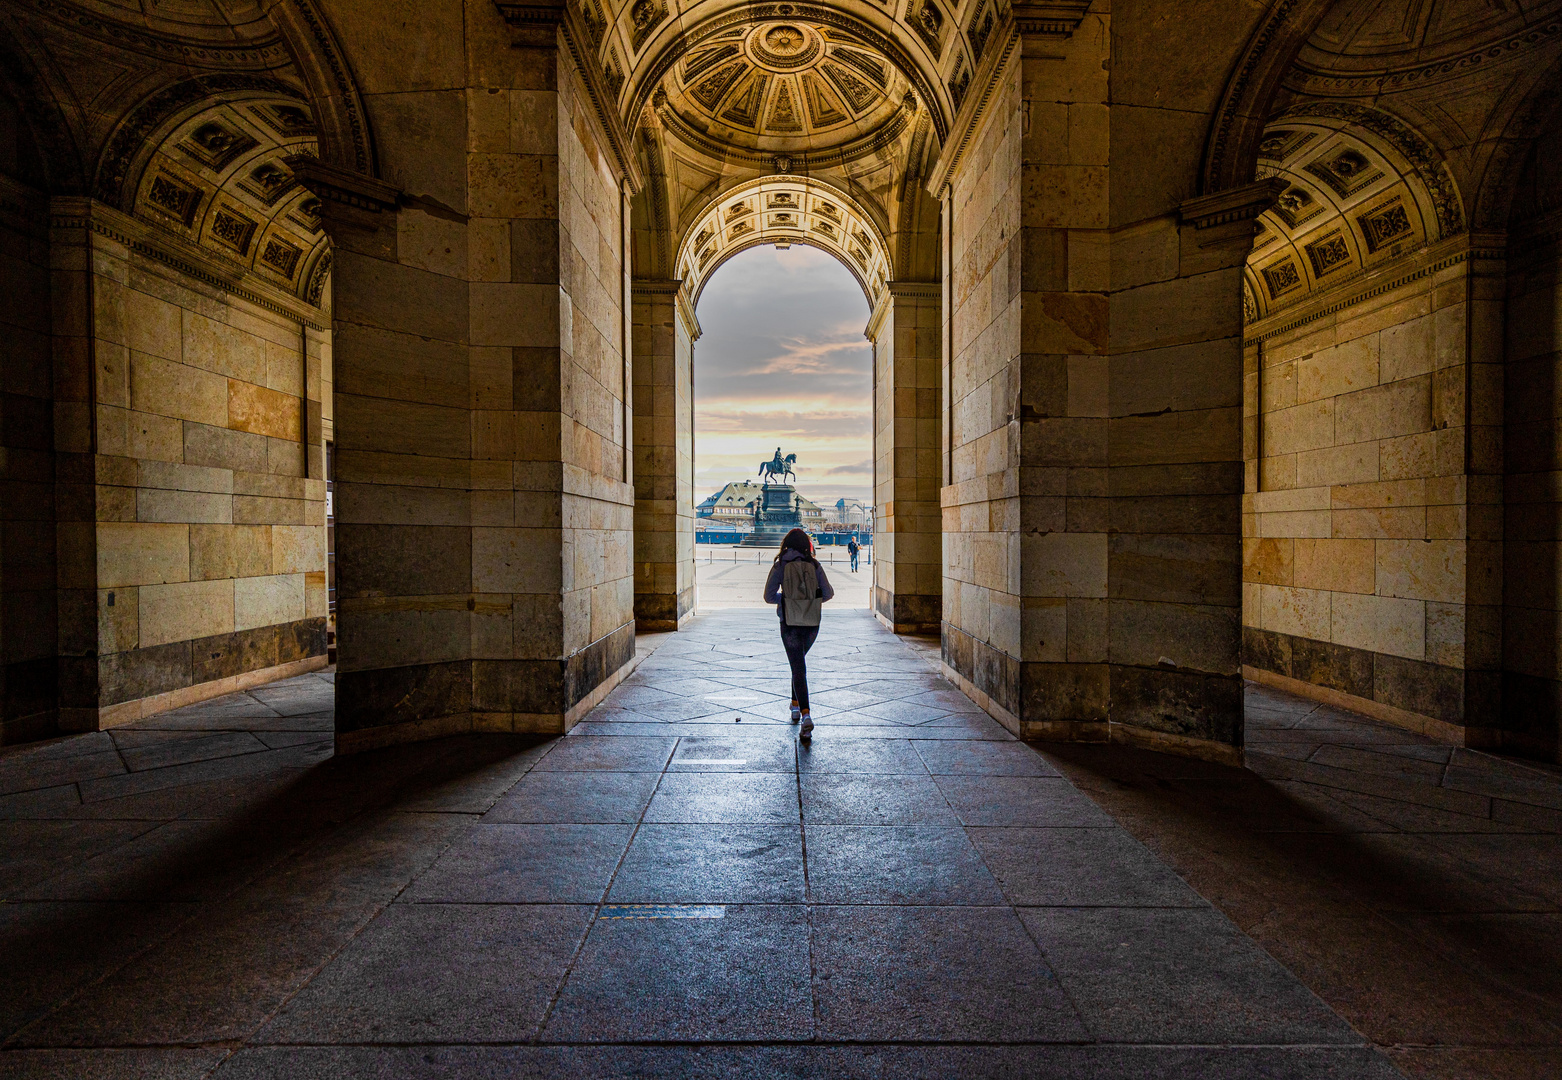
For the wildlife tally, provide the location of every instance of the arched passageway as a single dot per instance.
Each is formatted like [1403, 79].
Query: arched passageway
[1210, 340]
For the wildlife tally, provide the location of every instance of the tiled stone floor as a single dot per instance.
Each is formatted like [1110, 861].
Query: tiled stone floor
[1416, 887]
[914, 894]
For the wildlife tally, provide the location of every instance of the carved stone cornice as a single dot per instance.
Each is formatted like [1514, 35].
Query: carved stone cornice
[671, 288]
[195, 263]
[1057, 18]
[532, 13]
[338, 185]
[1233, 204]
[899, 290]
[1486, 249]
[916, 290]
[1001, 47]
[532, 16]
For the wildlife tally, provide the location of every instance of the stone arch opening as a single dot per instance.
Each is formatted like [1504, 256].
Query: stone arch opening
[191, 349]
[1379, 429]
[782, 367]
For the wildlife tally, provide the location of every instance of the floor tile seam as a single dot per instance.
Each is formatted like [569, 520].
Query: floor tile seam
[5, 794]
[814, 1042]
[8, 1043]
[550, 744]
[152, 825]
[120, 750]
[264, 749]
[596, 909]
[187, 764]
[808, 914]
[373, 913]
[1323, 782]
[1512, 799]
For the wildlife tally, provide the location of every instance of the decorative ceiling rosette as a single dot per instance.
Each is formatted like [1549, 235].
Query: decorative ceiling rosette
[784, 83]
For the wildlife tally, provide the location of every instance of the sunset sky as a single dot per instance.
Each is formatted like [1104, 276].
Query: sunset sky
[783, 363]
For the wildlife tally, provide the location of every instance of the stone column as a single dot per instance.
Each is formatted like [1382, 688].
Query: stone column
[664, 332]
[484, 519]
[75, 546]
[1092, 520]
[907, 548]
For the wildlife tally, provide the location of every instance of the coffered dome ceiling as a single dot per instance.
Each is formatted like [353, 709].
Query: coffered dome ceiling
[1360, 192]
[785, 85]
[785, 210]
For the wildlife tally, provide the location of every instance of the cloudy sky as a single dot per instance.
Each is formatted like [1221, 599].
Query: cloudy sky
[783, 363]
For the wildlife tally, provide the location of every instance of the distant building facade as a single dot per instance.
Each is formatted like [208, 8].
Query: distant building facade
[736, 501]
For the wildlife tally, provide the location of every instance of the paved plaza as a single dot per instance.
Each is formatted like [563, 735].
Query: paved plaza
[728, 577]
[676, 888]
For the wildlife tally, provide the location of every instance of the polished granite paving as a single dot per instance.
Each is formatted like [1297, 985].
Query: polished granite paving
[677, 888]
[1417, 887]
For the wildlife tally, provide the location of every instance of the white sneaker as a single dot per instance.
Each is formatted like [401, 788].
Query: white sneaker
[807, 730]
[796, 712]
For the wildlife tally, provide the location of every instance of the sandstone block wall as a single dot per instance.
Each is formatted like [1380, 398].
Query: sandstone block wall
[1092, 520]
[981, 500]
[209, 533]
[482, 424]
[663, 456]
[599, 497]
[1373, 557]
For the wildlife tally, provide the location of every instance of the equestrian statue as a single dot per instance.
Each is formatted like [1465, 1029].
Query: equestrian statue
[778, 466]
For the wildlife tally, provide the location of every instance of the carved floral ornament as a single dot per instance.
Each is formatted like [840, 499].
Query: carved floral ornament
[220, 179]
[1355, 189]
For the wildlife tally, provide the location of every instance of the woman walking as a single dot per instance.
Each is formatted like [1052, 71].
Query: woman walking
[797, 587]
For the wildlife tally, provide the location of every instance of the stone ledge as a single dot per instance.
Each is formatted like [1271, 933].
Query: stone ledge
[128, 711]
[1432, 728]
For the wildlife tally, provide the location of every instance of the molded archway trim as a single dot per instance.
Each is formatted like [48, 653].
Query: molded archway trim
[787, 210]
[345, 138]
[1231, 148]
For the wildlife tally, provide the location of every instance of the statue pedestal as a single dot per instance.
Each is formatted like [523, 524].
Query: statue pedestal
[775, 516]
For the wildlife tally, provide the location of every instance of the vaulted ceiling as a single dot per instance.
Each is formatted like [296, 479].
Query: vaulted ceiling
[1398, 123]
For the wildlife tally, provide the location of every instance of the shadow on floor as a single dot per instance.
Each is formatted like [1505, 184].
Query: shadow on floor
[321, 844]
[1417, 888]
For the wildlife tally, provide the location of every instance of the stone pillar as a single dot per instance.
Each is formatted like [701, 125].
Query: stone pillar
[484, 509]
[75, 548]
[1092, 520]
[907, 549]
[664, 332]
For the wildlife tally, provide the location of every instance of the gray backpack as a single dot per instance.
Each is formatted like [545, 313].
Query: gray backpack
[800, 593]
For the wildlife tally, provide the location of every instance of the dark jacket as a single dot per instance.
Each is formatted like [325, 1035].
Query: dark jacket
[773, 582]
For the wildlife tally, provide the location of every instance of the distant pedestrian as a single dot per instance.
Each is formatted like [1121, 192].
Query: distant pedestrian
[797, 586]
[853, 550]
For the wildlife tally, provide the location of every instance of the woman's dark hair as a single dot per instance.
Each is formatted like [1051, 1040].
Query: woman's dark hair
[797, 540]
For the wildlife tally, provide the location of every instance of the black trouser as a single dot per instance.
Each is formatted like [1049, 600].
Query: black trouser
[797, 640]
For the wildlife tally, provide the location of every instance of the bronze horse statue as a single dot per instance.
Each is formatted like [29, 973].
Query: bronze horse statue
[778, 466]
